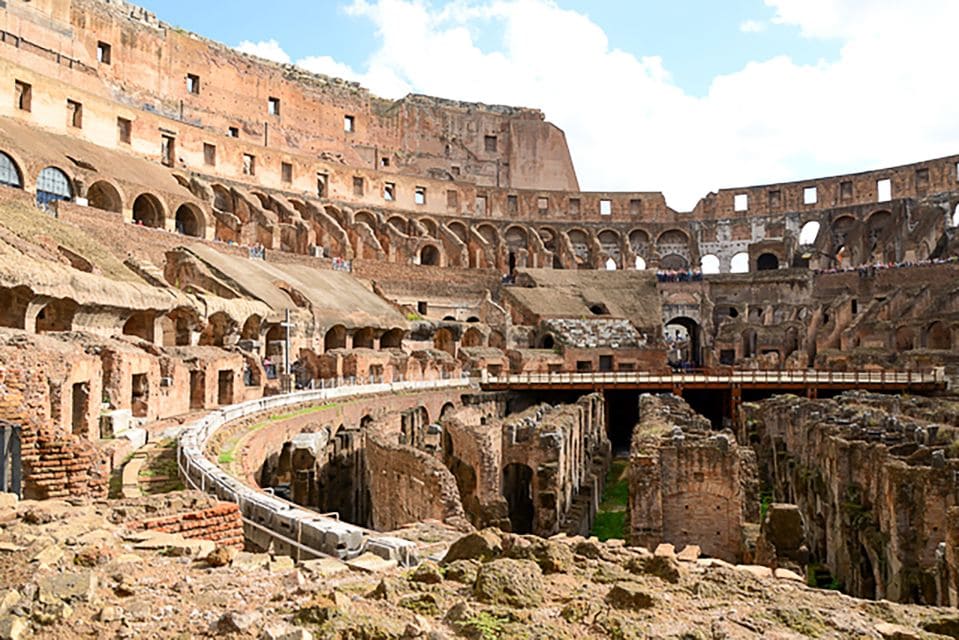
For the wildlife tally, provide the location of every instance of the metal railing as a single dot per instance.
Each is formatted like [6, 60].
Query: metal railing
[292, 530]
[804, 377]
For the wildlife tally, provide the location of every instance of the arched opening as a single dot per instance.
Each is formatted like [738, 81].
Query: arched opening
[141, 325]
[497, 340]
[473, 338]
[472, 319]
[938, 336]
[609, 242]
[217, 328]
[53, 185]
[103, 195]
[518, 491]
[458, 229]
[610, 264]
[177, 327]
[56, 316]
[809, 233]
[251, 328]
[222, 198]
[599, 309]
[580, 243]
[148, 211]
[640, 264]
[10, 174]
[673, 262]
[443, 341]
[547, 342]
[905, 340]
[365, 217]
[683, 338]
[430, 256]
[749, 338]
[431, 228]
[639, 241]
[739, 263]
[335, 338]
[13, 307]
[792, 341]
[709, 264]
[363, 338]
[400, 224]
[767, 262]
[189, 221]
[392, 339]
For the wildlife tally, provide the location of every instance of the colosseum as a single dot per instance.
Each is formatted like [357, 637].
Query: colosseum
[266, 320]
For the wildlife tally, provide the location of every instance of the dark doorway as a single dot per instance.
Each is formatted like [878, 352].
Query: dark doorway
[81, 405]
[606, 363]
[518, 491]
[767, 262]
[224, 387]
[11, 473]
[622, 410]
[140, 395]
[197, 391]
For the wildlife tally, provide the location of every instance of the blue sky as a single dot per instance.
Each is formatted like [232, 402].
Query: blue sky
[683, 97]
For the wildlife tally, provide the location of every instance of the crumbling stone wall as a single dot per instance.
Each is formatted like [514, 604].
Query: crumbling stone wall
[688, 485]
[192, 514]
[874, 476]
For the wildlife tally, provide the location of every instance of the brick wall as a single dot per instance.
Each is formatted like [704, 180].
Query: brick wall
[220, 523]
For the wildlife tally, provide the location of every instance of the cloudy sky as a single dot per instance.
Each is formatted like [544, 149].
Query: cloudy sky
[685, 98]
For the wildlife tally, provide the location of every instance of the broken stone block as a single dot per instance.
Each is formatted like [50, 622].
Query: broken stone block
[515, 583]
[480, 545]
[629, 596]
[13, 628]
[68, 587]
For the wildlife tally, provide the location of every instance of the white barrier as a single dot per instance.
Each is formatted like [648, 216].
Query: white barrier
[267, 519]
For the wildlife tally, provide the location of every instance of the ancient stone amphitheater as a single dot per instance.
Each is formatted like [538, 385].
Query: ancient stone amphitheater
[283, 359]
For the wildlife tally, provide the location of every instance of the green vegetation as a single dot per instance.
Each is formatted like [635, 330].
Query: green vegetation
[228, 450]
[486, 625]
[766, 500]
[610, 520]
[413, 317]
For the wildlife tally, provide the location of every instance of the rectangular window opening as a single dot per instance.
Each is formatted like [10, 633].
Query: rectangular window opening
[193, 84]
[233, 132]
[481, 205]
[810, 195]
[575, 206]
[286, 172]
[389, 191]
[209, 154]
[103, 52]
[490, 143]
[512, 204]
[741, 202]
[384, 162]
[422, 307]
[273, 106]
[884, 190]
[452, 198]
[23, 95]
[357, 186]
[542, 204]
[455, 170]
[845, 191]
[635, 207]
[775, 198]
[74, 114]
[249, 164]
[605, 207]
[419, 196]
[168, 150]
[322, 180]
[124, 130]
[349, 123]
[922, 181]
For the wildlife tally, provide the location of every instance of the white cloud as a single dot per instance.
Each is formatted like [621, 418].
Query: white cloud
[885, 100]
[268, 49]
[752, 26]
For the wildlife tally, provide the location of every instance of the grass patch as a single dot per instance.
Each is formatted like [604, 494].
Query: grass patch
[610, 520]
[228, 450]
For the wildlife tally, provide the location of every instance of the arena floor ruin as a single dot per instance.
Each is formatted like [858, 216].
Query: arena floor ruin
[323, 364]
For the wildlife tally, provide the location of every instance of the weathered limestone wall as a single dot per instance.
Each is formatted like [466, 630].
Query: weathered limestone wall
[687, 484]
[874, 477]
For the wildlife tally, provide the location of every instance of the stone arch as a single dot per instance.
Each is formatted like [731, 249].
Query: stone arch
[148, 211]
[611, 243]
[177, 327]
[739, 263]
[432, 229]
[218, 327]
[443, 341]
[938, 336]
[363, 338]
[142, 324]
[104, 195]
[392, 339]
[335, 338]
[489, 233]
[473, 338]
[579, 240]
[516, 237]
[401, 224]
[459, 230]
[673, 262]
[690, 353]
[56, 316]
[53, 185]
[767, 262]
[190, 220]
[709, 264]
[672, 237]
[430, 256]
[546, 341]
[222, 198]
[10, 174]
[640, 263]
[497, 340]
[876, 224]
[809, 233]
[905, 339]
[639, 240]
[13, 307]
[252, 328]
[365, 216]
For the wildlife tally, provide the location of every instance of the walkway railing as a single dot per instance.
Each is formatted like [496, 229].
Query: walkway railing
[804, 377]
[293, 530]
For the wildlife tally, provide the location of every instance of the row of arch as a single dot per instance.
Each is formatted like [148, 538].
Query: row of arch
[148, 210]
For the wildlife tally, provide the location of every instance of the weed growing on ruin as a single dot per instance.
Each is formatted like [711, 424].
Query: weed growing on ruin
[486, 625]
[610, 520]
